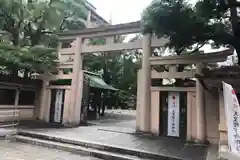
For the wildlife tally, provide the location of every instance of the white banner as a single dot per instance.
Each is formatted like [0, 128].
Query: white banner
[58, 106]
[232, 112]
[173, 114]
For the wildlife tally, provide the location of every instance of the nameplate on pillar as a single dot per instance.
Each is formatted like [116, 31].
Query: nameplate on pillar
[173, 114]
[58, 106]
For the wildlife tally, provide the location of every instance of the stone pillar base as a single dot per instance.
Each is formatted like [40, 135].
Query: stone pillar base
[71, 125]
[203, 142]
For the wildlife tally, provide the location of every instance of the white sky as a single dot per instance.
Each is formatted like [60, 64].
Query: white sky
[121, 11]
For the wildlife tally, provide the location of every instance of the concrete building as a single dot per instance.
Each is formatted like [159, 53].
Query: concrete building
[93, 19]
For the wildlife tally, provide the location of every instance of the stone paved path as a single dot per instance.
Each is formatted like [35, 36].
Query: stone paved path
[120, 133]
[20, 151]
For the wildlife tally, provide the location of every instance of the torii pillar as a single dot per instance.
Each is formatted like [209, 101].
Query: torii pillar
[145, 85]
[200, 106]
[76, 86]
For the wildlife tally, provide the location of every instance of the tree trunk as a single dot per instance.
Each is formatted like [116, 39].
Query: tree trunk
[104, 103]
[14, 73]
[235, 28]
[26, 72]
[35, 39]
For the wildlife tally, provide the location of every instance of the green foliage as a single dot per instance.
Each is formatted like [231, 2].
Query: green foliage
[31, 23]
[118, 68]
[33, 59]
[186, 25]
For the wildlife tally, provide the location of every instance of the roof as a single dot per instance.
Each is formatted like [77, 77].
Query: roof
[99, 17]
[98, 82]
[88, 5]
[222, 72]
[92, 8]
[215, 77]
[95, 81]
[91, 73]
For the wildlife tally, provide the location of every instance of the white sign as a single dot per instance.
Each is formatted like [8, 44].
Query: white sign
[58, 106]
[232, 111]
[173, 114]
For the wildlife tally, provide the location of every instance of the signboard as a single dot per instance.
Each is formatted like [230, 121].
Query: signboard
[232, 112]
[58, 106]
[173, 114]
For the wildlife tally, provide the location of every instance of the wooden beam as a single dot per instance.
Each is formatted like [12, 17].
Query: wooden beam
[61, 76]
[67, 51]
[121, 46]
[126, 28]
[179, 89]
[192, 59]
[187, 61]
[111, 47]
[59, 87]
[65, 65]
[102, 34]
[161, 75]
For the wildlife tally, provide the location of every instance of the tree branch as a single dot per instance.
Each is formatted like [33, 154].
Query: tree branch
[197, 48]
[179, 51]
[61, 25]
[9, 21]
[6, 14]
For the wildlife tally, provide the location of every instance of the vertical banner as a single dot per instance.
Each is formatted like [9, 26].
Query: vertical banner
[173, 114]
[232, 112]
[58, 106]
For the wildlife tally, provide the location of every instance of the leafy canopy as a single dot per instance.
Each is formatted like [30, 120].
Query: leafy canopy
[32, 26]
[187, 25]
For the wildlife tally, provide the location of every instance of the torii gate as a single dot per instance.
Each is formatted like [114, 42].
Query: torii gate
[81, 47]
[73, 94]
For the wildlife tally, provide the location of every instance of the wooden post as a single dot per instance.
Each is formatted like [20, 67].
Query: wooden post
[145, 126]
[76, 86]
[200, 106]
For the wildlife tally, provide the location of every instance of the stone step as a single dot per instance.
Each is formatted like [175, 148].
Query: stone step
[7, 133]
[99, 146]
[76, 149]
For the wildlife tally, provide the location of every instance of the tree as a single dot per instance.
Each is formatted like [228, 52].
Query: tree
[115, 66]
[192, 26]
[35, 59]
[32, 26]
[118, 68]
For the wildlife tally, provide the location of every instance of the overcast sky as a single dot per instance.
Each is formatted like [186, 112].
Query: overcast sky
[121, 11]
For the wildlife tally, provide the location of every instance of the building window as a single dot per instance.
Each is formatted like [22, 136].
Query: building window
[26, 98]
[7, 96]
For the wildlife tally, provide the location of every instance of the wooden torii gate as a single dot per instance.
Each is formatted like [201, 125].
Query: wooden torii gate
[79, 47]
[72, 57]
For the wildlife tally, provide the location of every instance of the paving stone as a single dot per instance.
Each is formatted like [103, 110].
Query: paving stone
[21, 151]
[108, 132]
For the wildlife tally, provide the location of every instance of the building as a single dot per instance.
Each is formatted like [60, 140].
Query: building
[93, 19]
